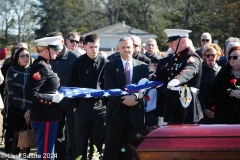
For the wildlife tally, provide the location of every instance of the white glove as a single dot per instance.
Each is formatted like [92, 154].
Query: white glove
[173, 83]
[161, 121]
[143, 81]
[57, 97]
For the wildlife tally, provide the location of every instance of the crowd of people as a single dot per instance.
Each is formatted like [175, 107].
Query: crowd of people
[200, 86]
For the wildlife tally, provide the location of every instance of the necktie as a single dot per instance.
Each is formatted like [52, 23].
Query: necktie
[127, 74]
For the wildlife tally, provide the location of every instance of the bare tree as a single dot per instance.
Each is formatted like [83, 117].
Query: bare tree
[145, 5]
[22, 10]
[7, 16]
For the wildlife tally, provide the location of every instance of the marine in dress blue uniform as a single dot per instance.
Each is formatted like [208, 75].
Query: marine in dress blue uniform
[42, 90]
[182, 69]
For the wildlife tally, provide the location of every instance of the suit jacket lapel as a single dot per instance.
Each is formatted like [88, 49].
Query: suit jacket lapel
[135, 72]
[120, 72]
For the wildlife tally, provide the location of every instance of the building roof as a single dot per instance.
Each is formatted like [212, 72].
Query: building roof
[120, 30]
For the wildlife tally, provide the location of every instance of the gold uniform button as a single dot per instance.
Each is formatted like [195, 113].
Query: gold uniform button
[178, 54]
[171, 68]
[168, 78]
[175, 59]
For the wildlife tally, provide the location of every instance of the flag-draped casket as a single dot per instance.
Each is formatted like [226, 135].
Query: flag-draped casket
[188, 142]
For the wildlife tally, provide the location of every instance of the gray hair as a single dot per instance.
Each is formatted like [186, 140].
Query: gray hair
[231, 39]
[22, 44]
[206, 34]
[232, 44]
[125, 39]
[136, 39]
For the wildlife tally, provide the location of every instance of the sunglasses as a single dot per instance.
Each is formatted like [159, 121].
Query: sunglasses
[73, 41]
[210, 55]
[205, 40]
[232, 57]
[135, 45]
[24, 56]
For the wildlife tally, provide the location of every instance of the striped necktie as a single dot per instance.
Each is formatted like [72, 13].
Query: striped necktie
[127, 73]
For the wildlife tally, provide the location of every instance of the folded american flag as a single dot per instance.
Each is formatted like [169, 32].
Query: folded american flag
[75, 92]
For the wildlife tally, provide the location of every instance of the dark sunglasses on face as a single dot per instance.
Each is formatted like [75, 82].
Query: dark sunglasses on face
[210, 55]
[23, 56]
[232, 57]
[73, 41]
[135, 45]
[205, 40]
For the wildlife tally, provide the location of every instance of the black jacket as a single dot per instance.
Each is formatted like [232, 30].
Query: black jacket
[226, 106]
[208, 78]
[42, 81]
[62, 66]
[187, 68]
[143, 58]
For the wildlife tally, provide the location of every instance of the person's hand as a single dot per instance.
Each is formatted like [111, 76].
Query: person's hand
[143, 81]
[235, 93]
[208, 113]
[129, 100]
[57, 97]
[173, 83]
[27, 115]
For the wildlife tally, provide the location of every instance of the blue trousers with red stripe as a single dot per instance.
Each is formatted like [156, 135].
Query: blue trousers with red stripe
[45, 134]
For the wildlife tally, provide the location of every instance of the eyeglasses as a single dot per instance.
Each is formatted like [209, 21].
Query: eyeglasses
[232, 57]
[24, 56]
[210, 55]
[135, 45]
[205, 40]
[73, 41]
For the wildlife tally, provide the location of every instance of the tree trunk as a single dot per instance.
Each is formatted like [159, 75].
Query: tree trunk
[187, 15]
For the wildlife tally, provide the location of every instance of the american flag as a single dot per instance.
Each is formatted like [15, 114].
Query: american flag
[75, 92]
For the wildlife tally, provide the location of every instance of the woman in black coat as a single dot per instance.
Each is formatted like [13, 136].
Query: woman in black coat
[210, 69]
[226, 91]
[17, 106]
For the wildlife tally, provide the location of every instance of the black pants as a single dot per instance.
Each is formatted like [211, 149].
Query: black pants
[89, 126]
[151, 119]
[65, 143]
[118, 133]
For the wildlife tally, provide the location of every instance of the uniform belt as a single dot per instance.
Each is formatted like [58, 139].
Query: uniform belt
[194, 90]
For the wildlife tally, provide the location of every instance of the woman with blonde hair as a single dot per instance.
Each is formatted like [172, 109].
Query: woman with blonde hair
[210, 69]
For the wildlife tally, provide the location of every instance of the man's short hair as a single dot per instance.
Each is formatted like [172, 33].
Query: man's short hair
[154, 60]
[151, 40]
[125, 39]
[206, 34]
[81, 39]
[22, 44]
[231, 39]
[73, 33]
[54, 34]
[136, 39]
[91, 38]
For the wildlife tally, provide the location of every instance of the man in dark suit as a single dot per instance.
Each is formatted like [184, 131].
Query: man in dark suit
[125, 114]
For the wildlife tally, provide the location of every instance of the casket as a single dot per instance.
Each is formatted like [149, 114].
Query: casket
[188, 142]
